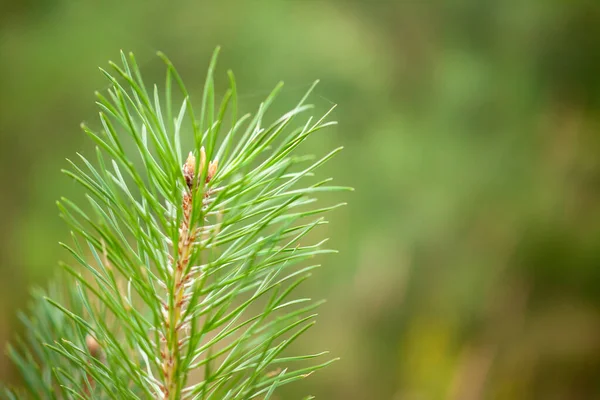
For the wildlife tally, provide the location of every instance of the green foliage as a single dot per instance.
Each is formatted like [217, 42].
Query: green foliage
[186, 266]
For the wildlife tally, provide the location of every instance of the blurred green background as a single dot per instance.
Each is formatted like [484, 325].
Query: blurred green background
[469, 263]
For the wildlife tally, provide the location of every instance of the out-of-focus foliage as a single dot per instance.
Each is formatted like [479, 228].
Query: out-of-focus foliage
[469, 253]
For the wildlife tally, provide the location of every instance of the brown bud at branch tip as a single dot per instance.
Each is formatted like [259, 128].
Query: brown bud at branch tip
[189, 169]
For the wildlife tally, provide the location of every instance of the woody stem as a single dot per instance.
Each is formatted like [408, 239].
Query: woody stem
[176, 307]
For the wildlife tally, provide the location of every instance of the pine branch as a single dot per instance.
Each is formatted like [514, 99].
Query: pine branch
[186, 266]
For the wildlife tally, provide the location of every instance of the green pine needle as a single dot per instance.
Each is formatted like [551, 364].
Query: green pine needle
[196, 231]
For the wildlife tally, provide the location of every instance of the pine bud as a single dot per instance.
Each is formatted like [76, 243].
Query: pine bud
[212, 169]
[92, 345]
[189, 169]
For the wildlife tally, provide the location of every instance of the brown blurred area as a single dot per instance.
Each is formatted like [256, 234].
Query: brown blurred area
[469, 263]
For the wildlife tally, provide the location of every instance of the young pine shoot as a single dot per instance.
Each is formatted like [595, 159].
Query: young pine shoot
[196, 230]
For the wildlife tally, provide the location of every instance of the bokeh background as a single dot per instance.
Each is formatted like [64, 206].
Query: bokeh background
[469, 263]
